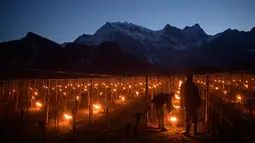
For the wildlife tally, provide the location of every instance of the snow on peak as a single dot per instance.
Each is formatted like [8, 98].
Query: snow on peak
[253, 30]
[196, 26]
[105, 30]
[173, 31]
[146, 44]
[169, 36]
[194, 29]
[168, 26]
[136, 32]
[196, 34]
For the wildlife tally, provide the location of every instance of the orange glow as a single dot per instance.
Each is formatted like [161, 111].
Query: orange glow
[177, 106]
[180, 83]
[38, 104]
[96, 106]
[173, 119]
[177, 96]
[67, 116]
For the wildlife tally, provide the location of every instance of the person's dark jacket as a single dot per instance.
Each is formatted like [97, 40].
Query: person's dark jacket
[190, 97]
[163, 98]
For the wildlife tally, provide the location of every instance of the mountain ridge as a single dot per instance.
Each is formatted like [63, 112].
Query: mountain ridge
[168, 48]
[145, 43]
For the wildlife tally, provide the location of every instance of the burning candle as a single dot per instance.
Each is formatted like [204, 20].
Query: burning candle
[96, 106]
[123, 98]
[38, 104]
[177, 96]
[67, 116]
[173, 119]
[137, 93]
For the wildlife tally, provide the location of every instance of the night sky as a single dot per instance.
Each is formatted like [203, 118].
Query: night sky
[65, 20]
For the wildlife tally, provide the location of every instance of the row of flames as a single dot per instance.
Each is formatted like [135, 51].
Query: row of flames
[218, 85]
[39, 105]
[239, 97]
[63, 89]
[97, 107]
[176, 103]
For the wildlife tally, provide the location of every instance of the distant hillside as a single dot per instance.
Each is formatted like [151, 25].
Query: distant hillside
[128, 49]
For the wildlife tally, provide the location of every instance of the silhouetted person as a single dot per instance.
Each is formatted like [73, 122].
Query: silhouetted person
[42, 127]
[21, 114]
[190, 99]
[160, 100]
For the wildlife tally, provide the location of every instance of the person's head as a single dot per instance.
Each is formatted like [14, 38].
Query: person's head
[189, 77]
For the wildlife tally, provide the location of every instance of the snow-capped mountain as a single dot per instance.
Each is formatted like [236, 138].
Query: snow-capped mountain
[131, 49]
[156, 46]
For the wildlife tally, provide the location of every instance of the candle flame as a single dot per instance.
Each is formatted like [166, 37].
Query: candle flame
[68, 116]
[180, 83]
[173, 119]
[177, 106]
[96, 106]
[177, 96]
[38, 104]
